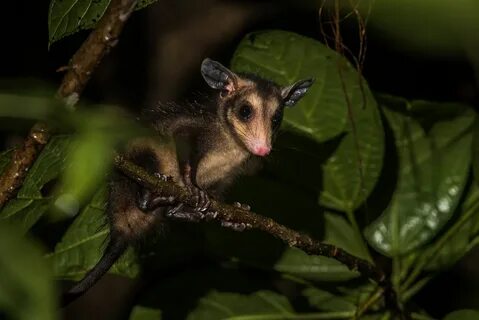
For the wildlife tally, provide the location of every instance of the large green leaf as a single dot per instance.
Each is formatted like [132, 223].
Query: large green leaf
[339, 299]
[351, 172]
[83, 243]
[463, 315]
[30, 204]
[433, 143]
[225, 305]
[328, 301]
[26, 284]
[66, 17]
[338, 232]
[465, 238]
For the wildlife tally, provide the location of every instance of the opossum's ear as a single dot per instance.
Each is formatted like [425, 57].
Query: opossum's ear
[218, 76]
[293, 93]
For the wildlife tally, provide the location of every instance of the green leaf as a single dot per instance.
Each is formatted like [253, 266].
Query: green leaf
[5, 157]
[83, 243]
[82, 246]
[30, 204]
[337, 232]
[26, 284]
[89, 162]
[225, 305]
[145, 313]
[66, 17]
[463, 315]
[464, 238]
[324, 300]
[351, 172]
[433, 143]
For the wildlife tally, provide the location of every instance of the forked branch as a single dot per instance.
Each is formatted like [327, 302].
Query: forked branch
[79, 71]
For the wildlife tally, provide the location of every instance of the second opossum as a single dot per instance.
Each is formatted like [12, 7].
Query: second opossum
[201, 147]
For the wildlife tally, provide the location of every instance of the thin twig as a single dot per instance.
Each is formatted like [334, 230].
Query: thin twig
[80, 69]
[232, 214]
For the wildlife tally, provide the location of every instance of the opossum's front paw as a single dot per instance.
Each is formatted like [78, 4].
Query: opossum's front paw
[148, 201]
[235, 226]
[184, 213]
[242, 206]
[202, 199]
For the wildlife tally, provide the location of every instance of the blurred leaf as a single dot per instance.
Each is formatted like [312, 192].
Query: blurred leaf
[429, 26]
[89, 162]
[83, 243]
[463, 240]
[322, 114]
[337, 232]
[463, 315]
[26, 283]
[90, 154]
[145, 313]
[18, 106]
[66, 17]
[324, 300]
[223, 305]
[30, 204]
[433, 142]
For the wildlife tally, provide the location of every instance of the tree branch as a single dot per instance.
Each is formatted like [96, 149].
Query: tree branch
[80, 69]
[232, 214]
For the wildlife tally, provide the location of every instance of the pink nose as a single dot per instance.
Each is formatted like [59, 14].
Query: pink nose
[261, 151]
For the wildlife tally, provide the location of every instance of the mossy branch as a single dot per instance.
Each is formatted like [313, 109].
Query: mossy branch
[232, 214]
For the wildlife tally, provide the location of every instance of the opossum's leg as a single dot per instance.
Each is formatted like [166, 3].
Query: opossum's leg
[202, 198]
[184, 213]
[148, 201]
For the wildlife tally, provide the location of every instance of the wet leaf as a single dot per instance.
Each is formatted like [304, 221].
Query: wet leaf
[464, 239]
[433, 142]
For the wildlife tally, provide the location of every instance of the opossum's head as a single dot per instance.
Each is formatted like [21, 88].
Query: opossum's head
[251, 107]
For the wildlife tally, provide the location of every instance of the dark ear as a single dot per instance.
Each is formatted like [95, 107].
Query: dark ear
[218, 76]
[293, 93]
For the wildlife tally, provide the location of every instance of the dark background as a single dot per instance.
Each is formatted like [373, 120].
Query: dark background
[158, 58]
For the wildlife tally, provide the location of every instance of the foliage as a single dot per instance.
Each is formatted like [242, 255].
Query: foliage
[351, 167]
[66, 17]
[27, 290]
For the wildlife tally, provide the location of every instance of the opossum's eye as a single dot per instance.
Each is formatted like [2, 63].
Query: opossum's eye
[276, 120]
[245, 112]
